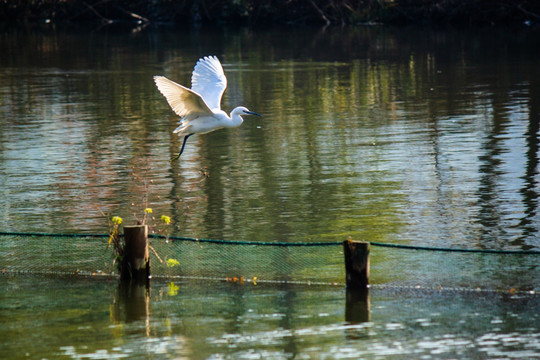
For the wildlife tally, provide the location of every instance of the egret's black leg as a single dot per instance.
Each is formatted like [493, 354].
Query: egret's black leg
[183, 145]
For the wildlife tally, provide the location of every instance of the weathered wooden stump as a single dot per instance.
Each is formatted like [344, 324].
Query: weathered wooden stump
[356, 264]
[136, 261]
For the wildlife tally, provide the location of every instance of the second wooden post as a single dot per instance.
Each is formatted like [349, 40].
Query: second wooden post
[356, 263]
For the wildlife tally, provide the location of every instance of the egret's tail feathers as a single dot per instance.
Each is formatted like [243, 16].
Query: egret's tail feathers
[178, 129]
[181, 129]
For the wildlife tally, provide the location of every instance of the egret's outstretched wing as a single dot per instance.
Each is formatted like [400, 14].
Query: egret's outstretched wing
[209, 81]
[184, 102]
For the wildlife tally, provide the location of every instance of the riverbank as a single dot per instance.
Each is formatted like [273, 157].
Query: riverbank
[275, 12]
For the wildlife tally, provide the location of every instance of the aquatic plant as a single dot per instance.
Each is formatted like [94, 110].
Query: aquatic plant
[172, 262]
[116, 239]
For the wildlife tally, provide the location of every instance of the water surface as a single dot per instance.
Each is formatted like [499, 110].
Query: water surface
[215, 321]
[415, 136]
[410, 136]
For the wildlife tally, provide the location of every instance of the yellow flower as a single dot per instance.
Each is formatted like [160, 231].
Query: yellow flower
[116, 220]
[148, 210]
[172, 262]
[166, 219]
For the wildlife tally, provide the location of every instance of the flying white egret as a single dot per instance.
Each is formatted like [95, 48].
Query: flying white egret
[199, 107]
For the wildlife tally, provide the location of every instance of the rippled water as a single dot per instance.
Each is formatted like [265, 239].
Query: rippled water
[412, 136]
[202, 321]
[417, 137]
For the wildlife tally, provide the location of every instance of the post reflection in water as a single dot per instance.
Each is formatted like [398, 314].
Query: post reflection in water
[357, 306]
[131, 304]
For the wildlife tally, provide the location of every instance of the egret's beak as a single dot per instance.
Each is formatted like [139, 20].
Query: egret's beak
[251, 113]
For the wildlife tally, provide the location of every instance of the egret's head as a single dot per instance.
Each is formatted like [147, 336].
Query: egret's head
[241, 110]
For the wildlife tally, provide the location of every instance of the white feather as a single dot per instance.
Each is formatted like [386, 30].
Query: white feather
[209, 81]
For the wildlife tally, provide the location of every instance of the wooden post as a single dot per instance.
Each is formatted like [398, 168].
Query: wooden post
[136, 261]
[356, 264]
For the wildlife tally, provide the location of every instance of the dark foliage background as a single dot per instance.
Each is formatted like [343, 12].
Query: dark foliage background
[271, 12]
